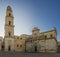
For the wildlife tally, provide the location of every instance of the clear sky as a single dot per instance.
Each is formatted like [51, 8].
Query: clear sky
[44, 14]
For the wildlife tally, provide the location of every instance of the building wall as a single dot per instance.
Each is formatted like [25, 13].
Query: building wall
[19, 44]
[9, 43]
[1, 40]
[36, 42]
[48, 45]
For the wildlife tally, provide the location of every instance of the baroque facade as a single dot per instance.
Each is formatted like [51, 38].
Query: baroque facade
[36, 42]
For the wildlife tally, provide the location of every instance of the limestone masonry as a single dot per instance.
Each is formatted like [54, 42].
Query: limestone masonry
[36, 42]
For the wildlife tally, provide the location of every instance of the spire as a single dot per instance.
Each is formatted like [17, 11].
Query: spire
[9, 11]
[9, 8]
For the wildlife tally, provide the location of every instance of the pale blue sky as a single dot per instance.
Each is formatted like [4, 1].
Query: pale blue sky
[45, 14]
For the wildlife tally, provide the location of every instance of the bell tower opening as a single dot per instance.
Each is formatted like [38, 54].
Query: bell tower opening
[9, 34]
[9, 22]
[9, 14]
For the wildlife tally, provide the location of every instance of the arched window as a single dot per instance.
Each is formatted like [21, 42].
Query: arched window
[45, 36]
[9, 22]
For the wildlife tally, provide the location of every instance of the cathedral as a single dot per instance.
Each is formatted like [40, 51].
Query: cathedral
[36, 42]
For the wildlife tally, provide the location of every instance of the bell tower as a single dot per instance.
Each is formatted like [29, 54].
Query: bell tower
[9, 23]
[9, 30]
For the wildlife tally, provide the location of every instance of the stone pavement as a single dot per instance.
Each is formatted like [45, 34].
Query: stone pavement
[18, 54]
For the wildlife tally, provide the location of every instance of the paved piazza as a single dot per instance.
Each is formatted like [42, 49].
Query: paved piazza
[18, 54]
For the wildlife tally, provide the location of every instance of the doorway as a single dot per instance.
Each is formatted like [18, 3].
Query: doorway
[9, 48]
[35, 48]
[2, 47]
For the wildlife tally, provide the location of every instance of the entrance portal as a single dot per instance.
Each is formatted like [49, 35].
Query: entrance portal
[9, 48]
[35, 48]
[2, 47]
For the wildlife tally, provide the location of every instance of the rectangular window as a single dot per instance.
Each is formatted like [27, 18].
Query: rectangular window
[51, 35]
[20, 45]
